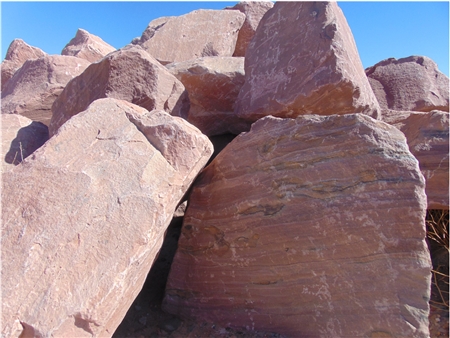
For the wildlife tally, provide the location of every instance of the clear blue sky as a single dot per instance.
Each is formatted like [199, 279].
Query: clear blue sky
[381, 29]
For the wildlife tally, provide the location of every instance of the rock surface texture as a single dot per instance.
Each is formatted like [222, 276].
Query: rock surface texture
[84, 217]
[129, 74]
[87, 46]
[213, 84]
[409, 84]
[18, 52]
[428, 140]
[35, 86]
[303, 60]
[309, 227]
[193, 35]
[20, 138]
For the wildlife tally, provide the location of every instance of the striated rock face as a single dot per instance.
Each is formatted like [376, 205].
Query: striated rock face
[213, 84]
[428, 136]
[18, 52]
[309, 227]
[20, 138]
[409, 84]
[193, 35]
[303, 60]
[254, 11]
[129, 74]
[87, 46]
[84, 218]
[35, 86]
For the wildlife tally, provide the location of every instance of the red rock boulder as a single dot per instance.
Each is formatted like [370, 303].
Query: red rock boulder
[303, 60]
[308, 227]
[409, 84]
[84, 217]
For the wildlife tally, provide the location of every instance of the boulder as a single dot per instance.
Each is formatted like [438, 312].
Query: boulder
[84, 217]
[87, 46]
[129, 74]
[308, 227]
[254, 11]
[193, 35]
[213, 84]
[409, 84]
[20, 138]
[427, 134]
[35, 86]
[18, 52]
[303, 60]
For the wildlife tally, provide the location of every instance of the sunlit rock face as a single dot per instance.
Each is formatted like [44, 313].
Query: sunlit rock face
[87, 46]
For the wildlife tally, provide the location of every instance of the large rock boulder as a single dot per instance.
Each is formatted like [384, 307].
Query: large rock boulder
[18, 52]
[20, 138]
[213, 84]
[309, 227]
[303, 60]
[35, 86]
[87, 46]
[193, 35]
[254, 11]
[129, 74]
[409, 84]
[428, 140]
[84, 218]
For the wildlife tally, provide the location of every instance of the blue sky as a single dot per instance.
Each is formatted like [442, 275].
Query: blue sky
[381, 29]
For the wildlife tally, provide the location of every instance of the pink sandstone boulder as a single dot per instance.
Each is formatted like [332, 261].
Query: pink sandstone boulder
[303, 60]
[18, 52]
[427, 134]
[129, 74]
[213, 84]
[409, 84]
[308, 227]
[84, 217]
[87, 46]
[254, 11]
[193, 35]
[20, 138]
[35, 86]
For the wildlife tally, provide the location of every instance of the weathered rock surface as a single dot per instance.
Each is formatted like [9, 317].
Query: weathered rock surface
[254, 11]
[87, 46]
[129, 74]
[35, 86]
[312, 227]
[409, 84]
[303, 60]
[84, 217]
[193, 35]
[213, 84]
[18, 52]
[428, 140]
[20, 138]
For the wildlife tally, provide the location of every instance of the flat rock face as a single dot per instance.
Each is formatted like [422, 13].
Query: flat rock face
[20, 138]
[409, 84]
[193, 35]
[18, 52]
[428, 136]
[213, 84]
[312, 227]
[84, 218]
[35, 86]
[254, 11]
[303, 60]
[87, 46]
[129, 74]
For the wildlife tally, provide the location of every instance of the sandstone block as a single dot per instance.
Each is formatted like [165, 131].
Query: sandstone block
[84, 217]
[129, 74]
[309, 227]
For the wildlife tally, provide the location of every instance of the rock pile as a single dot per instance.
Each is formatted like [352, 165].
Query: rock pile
[309, 222]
